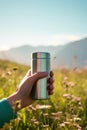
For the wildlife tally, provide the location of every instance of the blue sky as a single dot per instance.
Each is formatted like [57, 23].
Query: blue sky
[41, 22]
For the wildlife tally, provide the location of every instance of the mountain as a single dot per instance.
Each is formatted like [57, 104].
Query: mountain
[71, 54]
[22, 54]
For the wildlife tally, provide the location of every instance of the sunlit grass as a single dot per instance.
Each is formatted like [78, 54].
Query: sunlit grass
[65, 110]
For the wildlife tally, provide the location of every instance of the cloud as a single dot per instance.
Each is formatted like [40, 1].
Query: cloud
[63, 39]
[58, 39]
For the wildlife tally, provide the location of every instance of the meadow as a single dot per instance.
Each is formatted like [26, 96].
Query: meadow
[65, 110]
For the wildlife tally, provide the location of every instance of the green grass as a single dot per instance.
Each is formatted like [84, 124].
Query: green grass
[65, 110]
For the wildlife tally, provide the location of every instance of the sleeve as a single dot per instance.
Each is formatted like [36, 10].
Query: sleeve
[6, 112]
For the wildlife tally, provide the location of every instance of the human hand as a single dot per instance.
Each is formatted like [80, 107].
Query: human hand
[23, 94]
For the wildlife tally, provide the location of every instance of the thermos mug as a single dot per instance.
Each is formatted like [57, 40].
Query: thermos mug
[40, 62]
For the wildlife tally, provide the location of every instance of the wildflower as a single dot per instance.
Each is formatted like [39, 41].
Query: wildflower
[57, 113]
[78, 71]
[71, 84]
[46, 114]
[43, 106]
[62, 124]
[65, 78]
[33, 120]
[32, 108]
[8, 73]
[45, 126]
[67, 96]
[18, 119]
[36, 122]
[78, 126]
[77, 119]
[69, 120]
[79, 103]
[77, 99]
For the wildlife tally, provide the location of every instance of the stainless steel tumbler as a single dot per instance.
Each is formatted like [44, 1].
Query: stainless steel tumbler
[40, 62]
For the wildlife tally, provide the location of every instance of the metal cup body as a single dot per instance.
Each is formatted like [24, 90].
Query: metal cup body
[40, 63]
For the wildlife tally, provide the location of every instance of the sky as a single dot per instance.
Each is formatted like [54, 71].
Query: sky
[41, 22]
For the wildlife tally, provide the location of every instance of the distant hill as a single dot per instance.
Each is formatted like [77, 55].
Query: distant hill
[72, 54]
[22, 54]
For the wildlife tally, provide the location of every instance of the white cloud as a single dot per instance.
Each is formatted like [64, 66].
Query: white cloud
[63, 39]
[58, 39]
[55, 39]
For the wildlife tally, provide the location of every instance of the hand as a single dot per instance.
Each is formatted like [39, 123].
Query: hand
[23, 94]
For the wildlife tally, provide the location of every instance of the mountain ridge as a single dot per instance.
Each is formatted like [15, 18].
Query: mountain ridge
[64, 54]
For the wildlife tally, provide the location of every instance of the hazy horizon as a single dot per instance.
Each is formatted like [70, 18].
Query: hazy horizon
[16, 46]
[36, 45]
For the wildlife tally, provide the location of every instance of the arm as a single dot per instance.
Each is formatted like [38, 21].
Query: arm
[22, 97]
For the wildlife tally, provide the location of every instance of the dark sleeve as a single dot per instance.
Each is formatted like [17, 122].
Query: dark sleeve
[6, 112]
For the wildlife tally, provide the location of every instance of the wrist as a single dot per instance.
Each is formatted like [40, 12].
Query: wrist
[15, 101]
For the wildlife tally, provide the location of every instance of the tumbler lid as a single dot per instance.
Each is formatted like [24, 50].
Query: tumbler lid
[40, 55]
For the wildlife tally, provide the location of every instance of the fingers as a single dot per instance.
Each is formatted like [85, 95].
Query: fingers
[39, 75]
[50, 89]
[51, 74]
[50, 81]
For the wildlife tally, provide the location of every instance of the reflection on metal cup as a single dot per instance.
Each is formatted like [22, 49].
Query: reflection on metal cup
[40, 63]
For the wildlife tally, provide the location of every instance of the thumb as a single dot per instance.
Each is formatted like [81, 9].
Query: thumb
[39, 75]
[28, 73]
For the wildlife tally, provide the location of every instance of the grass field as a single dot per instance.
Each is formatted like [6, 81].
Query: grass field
[65, 110]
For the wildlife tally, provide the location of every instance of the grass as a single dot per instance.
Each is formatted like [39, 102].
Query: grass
[65, 110]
